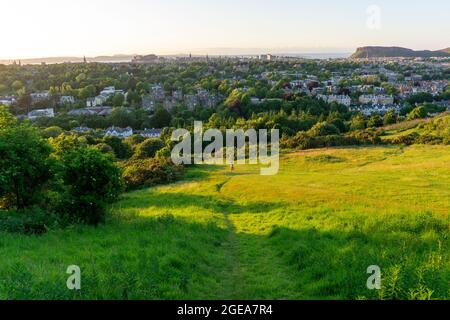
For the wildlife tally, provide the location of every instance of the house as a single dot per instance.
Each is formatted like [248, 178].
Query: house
[368, 110]
[178, 94]
[266, 57]
[110, 91]
[118, 132]
[191, 101]
[41, 113]
[340, 99]
[157, 93]
[98, 111]
[8, 100]
[66, 100]
[97, 101]
[148, 104]
[150, 133]
[376, 99]
[40, 96]
[255, 100]
[83, 130]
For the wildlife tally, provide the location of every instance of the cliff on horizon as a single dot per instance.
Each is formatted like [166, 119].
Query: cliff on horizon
[390, 52]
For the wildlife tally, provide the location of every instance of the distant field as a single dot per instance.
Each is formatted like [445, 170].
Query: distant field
[309, 232]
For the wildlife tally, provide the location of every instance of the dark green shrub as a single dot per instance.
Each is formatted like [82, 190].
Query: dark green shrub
[28, 221]
[91, 181]
[121, 149]
[150, 172]
[148, 148]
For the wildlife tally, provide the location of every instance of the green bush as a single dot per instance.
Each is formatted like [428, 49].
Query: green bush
[149, 172]
[28, 221]
[148, 148]
[323, 129]
[26, 167]
[91, 180]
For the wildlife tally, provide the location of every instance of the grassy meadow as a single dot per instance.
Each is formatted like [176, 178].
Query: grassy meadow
[309, 232]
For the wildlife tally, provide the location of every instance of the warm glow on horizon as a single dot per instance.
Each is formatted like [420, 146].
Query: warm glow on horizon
[44, 28]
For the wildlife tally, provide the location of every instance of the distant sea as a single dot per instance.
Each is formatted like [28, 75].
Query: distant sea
[317, 55]
[126, 58]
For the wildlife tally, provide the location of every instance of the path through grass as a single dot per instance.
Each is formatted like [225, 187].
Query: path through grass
[309, 232]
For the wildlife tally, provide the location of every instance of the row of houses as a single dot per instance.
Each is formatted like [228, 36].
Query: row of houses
[369, 110]
[203, 98]
[340, 99]
[122, 132]
[375, 99]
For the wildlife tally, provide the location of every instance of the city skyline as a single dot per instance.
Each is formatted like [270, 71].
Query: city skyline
[49, 28]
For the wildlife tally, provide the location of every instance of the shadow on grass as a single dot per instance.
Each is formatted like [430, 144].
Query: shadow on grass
[172, 258]
[216, 204]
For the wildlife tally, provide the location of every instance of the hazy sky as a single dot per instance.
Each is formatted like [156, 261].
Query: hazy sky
[41, 28]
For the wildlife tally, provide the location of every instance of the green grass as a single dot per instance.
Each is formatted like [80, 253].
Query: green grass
[309, 232]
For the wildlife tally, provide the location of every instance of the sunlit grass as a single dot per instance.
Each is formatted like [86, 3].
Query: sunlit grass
[309, 232]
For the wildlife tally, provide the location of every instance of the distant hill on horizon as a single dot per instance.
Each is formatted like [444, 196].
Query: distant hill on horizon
[51, 60]
[391, 52]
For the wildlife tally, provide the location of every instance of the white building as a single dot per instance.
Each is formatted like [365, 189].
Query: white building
[376, 99]
[7, 101]
[340, 99]
[150, 133]
[119, 132]
[67, 100]
[41, 113]
[40, 96]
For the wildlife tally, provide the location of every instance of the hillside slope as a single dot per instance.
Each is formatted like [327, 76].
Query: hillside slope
[309, 232]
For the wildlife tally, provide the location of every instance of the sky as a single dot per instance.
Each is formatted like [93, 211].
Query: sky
[48, 28]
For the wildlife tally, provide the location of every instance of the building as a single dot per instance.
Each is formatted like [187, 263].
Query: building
[92, 111]
[8, 100]
[66, 100]
[376, 99]
[110, 91]
[266, 57]
[148, 104]
[41, 113]
[118, 132]
[178, 94]
[150, 133]
[191, 101]
[40, 96]
[157, 93]
[83, 130]
[339, 99]
[368, 110]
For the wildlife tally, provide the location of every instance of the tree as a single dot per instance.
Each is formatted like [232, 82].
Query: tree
[323, 129]
[358, 123]
[161, 118]
[92, 180]
[418, 113]
[375, 121]
[17, 85]
[121, 149]
[25, 165]
[118, 100]
[6, 118]
[390, 118]
[87, 92]
[148, 148]
[52, 132]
